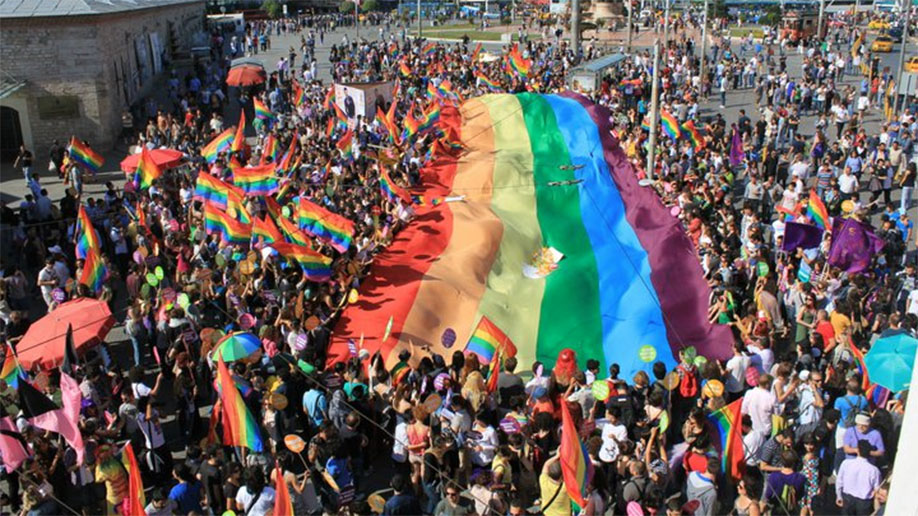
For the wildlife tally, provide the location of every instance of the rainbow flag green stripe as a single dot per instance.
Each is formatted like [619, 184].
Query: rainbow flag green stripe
[538, 171]
[330, 227]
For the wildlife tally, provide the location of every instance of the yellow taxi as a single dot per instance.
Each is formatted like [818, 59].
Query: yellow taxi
[882, 44]
[912, 64]
[878, 25]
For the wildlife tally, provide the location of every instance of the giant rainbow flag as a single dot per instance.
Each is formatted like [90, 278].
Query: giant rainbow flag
[629, 276]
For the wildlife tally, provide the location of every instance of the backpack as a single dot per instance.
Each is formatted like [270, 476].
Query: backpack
[852, 412]
[688, 382]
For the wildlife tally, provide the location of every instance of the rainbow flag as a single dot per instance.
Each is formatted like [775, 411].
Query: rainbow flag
[255, 181]
[243, 428]
[645, 124]
[384, 120]
[239, 139]
[315, 265]
[94, 271]
[519, 64]
[429, 49]
[283, 505]
[330, 227]
[694, 135]
[262, 112]
[220, 143]
[270, 150]
[329, 100]
[141, 215]
[147, 170]
[576, 467]
[729, 439]
[399, 373]
[430, 118]
[231, 231]
[267, 230]
[488, 339]
[670, 125]
[340, 114]
[493, 373]
[11, 371]
[411, 127]
[83, 155]
[284, 164]
[612, 307]
[235, 206]
[432, 90]
[344, 144]
[88, 236]
[476, 53]
[390, 189]
[404, 69]
[291, 232]
[877, 395]
[208, 188]
[816, 210]
[299, 95]
[493, 86]
[136, 501]
[861, 365]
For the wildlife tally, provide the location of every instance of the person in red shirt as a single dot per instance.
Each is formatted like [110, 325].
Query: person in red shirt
[824, 328]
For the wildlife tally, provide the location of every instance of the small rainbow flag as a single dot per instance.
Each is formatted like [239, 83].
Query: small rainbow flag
[220, 143]
[390, 189]
[345, 143]
[404, 69]
[239, 139]
[94, 271]
[519, 64]
[262, 112]
[267, 230]
[243, 429]
[487, 340]
[411, 127]
[429, 48]
[147, 170]
[231, 231]
[384, 120]
[493, 86]
[340, 114]
[399, 373]
[270, 150]
[208, 188]
[726, 421]
[670, 125]
[493, 373]
[89, 237]
[283, 505]
[693, 135]
[877, 395]
[315, 265]
[645, 124]
[329, 100]
[817, 211]
[293, 234]
[861, 364]
[83, 155]
[255, 181]
[430, 118]
[476, 52]
[136, 501]
[432, 90]
[330, 227]
[299, 95]
[11, 371]
[235, 206]
[285, 162]
[141, 215]
[576, 467]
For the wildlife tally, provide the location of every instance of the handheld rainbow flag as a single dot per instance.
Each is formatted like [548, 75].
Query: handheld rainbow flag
[147, 170]
[285, 162]
[208, 188]
[645, 124]
[576, 467]
[404, 69]
[670, 125]
[267, 230]
[493, 86]
[476, 52]
[220, 143]
[330, 227]
[694, 135]
[519, 64]
[493, 373]
[411, 127]
[283, 505]
[877, 395]
[235, 206]
[243, 429]
[94, 271]
[89, 237]
[255, 181]
[432, 90]
[817, 211]
[83, 155]
[231, 231]
[262, 112]
[429, 49]
[384, 120]
[399, 373]
[390, 189]
[430, 118]
[299, 95]
[270, 150]
[316, 266]
[861, 364]
[488, 339]
[345, 144]
[136, 501]
[339, 114]
[239, 139]
[329, 100]
[291, 232]
[729, 440]
[12, 372]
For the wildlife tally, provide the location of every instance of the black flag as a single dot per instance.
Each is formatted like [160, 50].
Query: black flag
[33, 403]
[70, 356]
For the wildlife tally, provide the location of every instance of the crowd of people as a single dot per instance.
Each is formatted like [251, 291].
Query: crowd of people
[814, 441]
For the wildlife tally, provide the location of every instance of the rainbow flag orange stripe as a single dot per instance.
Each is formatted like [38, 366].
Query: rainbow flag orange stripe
[136, 500]
[83, 155]
[330, 227]
[693, 135]
[261, 111]
[243, 429]
[729, 440]
[147, 170]
[231, 231]
[255, 181]
[94, 271]
[220, 143]
[285, 162]
[89, 237]
[267, 230]
[316, 266]
[670, 125]
[576, 467]
[239, 139]
[291, 232]
[487, 340]
[283, 505]
[817, 211]
[11, 372]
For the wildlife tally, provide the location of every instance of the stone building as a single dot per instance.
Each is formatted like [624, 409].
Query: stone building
[74, 67]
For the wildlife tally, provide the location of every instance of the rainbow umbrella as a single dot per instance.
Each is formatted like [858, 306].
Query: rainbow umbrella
[890, 361]
[238, 345]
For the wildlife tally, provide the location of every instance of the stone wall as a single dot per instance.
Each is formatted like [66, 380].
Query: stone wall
[82, 72]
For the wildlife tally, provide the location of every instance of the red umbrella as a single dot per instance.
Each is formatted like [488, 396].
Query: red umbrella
[44, 342]
[165, 158]
[246, 75]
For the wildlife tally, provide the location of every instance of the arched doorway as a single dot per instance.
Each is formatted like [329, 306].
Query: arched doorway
[10, 133]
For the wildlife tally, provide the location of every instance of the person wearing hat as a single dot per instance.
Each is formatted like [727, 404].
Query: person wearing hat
[861, 431]
[857, 482]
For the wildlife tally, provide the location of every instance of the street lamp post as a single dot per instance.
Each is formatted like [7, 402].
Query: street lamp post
[906, 4]
[654, 111]
[704, 44]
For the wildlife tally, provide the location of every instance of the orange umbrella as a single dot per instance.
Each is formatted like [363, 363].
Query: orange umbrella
[164, 158]
[44, 342]
[246, 75]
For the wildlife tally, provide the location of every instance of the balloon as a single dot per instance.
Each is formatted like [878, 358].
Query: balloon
[712, 389]
[689, 353]
[353, 296]
[700, 361]
[664, 421]
[152, 280]
[448, 338]
[671, 380]
[312, 323]
[183, 300]
[160, 274]
[294, 443]
[647, 353]
[145, 291]
[285, 211]
[762, 269]
[601, 390]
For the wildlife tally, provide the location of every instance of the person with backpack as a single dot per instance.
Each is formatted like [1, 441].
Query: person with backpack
[702, 486]
[784, 489]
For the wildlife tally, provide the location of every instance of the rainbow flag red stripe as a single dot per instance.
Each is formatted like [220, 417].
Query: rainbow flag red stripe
[136, 501]
[94, 271]
[493, 373]
[239, 139]
[220, 143]
[817, 211]
[11, 372]
[147, 170]
[316, 266]
[231, 231]
[255, 181]
[330, 227]
[488, 339]
[267, 230]
[729, 440]
[83, 155]
[243, 429]
[670, 125]
[390, 189]
[89, 237]
[261, 111]
[694, 135]
[576, 467]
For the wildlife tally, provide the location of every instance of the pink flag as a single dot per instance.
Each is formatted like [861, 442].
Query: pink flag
[736, 148]
[64, 420]
[12, 446]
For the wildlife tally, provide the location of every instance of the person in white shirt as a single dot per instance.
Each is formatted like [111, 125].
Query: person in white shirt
[613, 433]
[484, 444]
[735, 372]
[760, 403]
[400, 445]
[254, 497]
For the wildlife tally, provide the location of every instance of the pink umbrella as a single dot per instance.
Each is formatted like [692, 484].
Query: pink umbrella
[165, 158]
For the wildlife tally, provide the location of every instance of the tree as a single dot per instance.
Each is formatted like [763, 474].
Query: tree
[717, 9]
[272, 8]
[368, 5]
[346, 7]
[772, 15]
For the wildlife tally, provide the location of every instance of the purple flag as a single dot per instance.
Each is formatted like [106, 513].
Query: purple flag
[797, 235]
[736, 148]
[853, 244]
